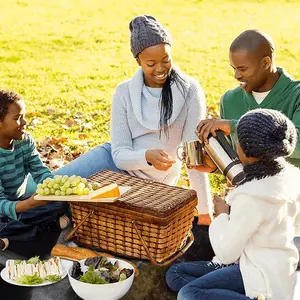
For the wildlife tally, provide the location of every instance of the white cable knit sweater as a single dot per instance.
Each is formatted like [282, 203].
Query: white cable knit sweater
[264, 218]
[134, 131]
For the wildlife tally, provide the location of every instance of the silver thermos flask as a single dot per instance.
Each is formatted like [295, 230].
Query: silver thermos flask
[226, 159]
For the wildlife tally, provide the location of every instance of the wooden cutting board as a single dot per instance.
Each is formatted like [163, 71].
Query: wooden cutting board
[82, 198]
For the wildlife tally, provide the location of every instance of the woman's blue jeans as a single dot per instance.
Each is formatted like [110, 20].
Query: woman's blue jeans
[91, 162]
[206, 280]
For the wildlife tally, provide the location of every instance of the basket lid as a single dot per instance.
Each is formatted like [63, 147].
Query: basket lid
[146, 196]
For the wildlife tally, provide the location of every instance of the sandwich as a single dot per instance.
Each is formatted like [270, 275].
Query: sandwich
[34, 270]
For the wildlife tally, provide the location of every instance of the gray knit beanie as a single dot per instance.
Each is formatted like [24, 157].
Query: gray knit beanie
[266, 133]
[146, 32]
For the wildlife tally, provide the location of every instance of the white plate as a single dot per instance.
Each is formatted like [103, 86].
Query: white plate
[83, 198]
[66, 264]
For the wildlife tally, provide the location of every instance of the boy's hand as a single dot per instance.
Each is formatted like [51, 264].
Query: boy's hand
[160, 159]
[220, 205]
[30, 203]
[37, 203]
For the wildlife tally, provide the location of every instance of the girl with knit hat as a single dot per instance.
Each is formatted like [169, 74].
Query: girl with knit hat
[152, 114]
[254, 242]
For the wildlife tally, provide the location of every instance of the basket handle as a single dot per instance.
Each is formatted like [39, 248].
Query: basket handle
[172, 258]
[73, 231]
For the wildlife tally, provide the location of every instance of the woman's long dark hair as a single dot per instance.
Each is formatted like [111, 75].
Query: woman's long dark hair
[166, 100]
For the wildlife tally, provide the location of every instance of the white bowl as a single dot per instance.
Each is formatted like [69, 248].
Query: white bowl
[110, 291]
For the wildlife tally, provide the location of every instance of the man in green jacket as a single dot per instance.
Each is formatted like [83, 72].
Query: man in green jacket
[262, 85]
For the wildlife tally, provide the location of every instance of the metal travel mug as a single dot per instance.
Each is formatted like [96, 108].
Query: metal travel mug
[193, 153]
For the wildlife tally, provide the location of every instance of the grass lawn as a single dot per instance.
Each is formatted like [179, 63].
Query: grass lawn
[66, 56]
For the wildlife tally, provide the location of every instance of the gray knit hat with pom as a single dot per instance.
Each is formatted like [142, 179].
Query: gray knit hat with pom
[266, 133]
[146, 32]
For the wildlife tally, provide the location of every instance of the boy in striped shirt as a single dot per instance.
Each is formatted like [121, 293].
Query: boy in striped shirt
[22, 217]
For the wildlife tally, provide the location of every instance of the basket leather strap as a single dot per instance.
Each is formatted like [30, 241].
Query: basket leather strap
[73, 231]
[172, 258]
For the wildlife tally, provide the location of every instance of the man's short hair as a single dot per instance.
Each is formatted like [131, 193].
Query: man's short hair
[253, 40]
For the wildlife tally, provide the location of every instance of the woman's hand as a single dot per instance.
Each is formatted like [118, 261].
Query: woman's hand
[220, 205]
[159, 159]
[205, 127]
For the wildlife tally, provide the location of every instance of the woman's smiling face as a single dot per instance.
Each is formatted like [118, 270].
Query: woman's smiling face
[156, 62]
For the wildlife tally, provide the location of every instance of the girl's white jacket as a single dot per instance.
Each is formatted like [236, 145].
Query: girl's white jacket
[259, 232]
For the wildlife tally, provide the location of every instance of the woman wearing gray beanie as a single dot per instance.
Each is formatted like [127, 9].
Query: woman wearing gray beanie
[253, 240]
[152, 114]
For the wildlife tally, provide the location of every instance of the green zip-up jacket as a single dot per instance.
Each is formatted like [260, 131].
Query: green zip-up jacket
[284, 96]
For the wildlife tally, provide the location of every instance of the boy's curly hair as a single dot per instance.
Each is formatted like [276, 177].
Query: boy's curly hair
[6, 99]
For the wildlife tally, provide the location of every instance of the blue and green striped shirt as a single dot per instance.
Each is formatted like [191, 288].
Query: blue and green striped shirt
[15, 164]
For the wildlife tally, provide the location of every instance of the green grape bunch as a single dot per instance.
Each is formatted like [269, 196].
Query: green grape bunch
[63, 186]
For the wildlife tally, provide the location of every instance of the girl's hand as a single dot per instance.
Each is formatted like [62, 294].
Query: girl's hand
[159, 159]
[220, 205]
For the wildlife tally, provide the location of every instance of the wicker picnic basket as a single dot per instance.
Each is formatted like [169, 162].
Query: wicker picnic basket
[150, 221]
